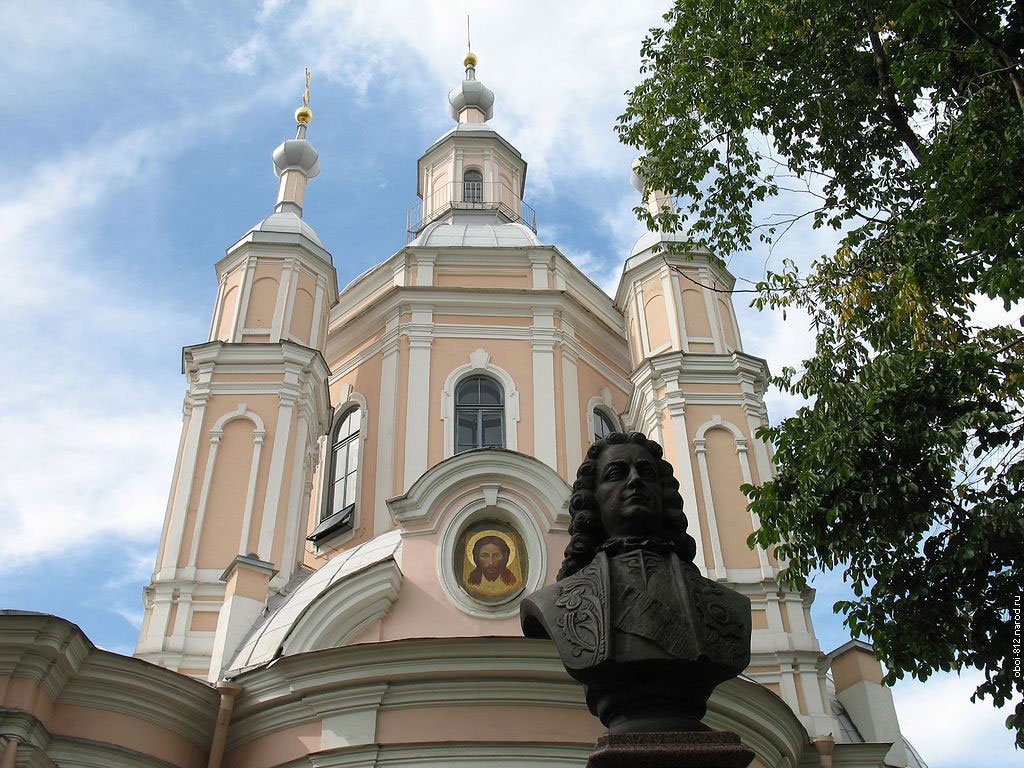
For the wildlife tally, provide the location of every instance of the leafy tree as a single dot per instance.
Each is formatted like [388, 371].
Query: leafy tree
[901, 125]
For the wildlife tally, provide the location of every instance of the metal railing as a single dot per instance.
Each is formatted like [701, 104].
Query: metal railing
[469, 196]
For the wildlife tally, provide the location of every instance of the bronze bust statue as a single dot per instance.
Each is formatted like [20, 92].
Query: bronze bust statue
[631, 616]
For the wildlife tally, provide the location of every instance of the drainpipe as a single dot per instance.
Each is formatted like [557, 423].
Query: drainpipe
[825, 745]
[228, 692]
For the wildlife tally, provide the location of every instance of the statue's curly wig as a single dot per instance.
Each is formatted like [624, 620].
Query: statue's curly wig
[586, 531]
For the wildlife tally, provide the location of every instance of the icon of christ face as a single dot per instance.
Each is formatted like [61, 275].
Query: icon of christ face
[490, 556]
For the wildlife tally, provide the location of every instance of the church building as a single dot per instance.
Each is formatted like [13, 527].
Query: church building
[370, 480]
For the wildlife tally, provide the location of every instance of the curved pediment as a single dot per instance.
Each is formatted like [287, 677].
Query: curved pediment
[488, 473]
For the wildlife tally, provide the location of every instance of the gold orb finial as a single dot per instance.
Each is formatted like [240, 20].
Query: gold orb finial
[470, 60]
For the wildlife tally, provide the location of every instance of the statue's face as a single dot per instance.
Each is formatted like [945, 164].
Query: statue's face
[628, 491]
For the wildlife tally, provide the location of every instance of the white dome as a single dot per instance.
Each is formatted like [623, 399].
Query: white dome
[298, 154]
[443, 234]
[471, 93]
[649, 239]
[286, 222]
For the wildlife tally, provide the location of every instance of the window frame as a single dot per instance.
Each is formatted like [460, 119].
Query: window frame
[329, 523]
[599, 413]
[480, 410]
[478, 197]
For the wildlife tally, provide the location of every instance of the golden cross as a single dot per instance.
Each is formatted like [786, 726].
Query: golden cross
[305, 93]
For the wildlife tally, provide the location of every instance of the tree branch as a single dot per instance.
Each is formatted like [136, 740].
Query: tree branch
[1004, 58]
[893, 110]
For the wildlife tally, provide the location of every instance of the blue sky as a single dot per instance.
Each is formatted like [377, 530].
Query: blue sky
[138, 144]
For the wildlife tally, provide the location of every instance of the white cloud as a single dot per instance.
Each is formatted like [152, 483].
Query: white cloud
[89, 436]
[947, 729]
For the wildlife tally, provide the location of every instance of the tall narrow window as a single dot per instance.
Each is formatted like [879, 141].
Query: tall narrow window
[603, 425]
[344, 466]
[479, 414]
[473, 186]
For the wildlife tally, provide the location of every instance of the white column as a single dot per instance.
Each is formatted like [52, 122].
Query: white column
[250, 493]
[684, 473]
[243, 299]
[539, 268]
[711, 305]
[318, 308]
[545, 441]
[278, 326]
[386, 430]
[275, 474]
[677, 299]
[218, 310]
[719, 570]
[183, 490]
[425, 268]
[417, 409]
[295, 525]
[204, 495]
[671, 308]
[641, 319]
[571, 403]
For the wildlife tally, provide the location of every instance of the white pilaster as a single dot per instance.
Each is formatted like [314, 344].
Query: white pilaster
[386, 430]
[204, 495]
[718, 571]
[278, 455]
[218, 310]
[243, 299]
[417, 423]
[250, 492]
[677, 299]
[294, 523]
[278, 326]
[571, 406]
[671, 308]
[183, 490]
[318, 309]
[545, 439]
[684, 473]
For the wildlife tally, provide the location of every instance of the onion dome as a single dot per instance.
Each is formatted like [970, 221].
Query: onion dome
[471, 94]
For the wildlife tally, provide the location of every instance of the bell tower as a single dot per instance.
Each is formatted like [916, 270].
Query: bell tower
[257, 402]
[702, 397]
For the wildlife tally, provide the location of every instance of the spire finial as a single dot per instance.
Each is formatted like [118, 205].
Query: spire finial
[470, 61]
[304, 115]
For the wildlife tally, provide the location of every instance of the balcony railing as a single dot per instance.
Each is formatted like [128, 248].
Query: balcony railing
[469, 196]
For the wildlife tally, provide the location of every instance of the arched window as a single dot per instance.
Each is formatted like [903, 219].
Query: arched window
[344, 465]
[473, 186]
[479, 414]
[603, 425]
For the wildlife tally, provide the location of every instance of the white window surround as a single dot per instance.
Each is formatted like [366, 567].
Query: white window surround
[216, 432]
[352, 400]
[700, 448]
[479, 363]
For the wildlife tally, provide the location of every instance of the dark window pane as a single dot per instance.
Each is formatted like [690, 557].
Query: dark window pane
[348, 425]
[339, 497]
[490, 392]
[473, 182]
[602, 425]
[494, 434]
[466, 431]
[339, 462]
[468, 392]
